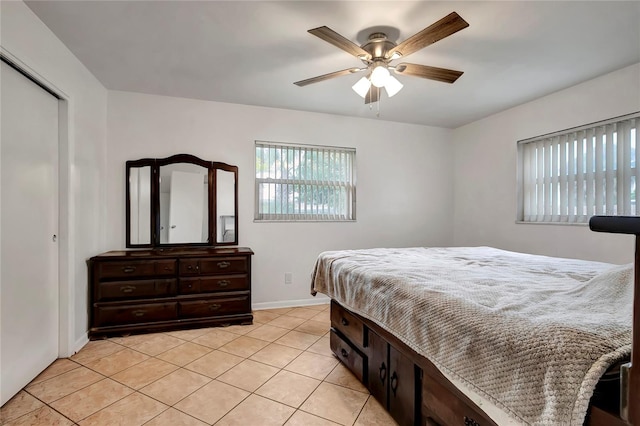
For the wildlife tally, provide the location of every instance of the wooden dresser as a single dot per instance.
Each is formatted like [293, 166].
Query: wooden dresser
[137, 291]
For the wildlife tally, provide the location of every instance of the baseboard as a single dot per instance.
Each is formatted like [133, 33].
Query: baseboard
[318, 300]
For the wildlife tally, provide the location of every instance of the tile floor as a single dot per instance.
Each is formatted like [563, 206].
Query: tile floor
[278, 371]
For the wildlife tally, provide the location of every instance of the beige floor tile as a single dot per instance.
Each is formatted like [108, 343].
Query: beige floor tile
[248, 375]
[335, 403]
[264, 316]
[188, 334]
[288, 388]
[214, 363]
[324, 316]
[314, 327]
[302, 313]
[276, 355]
[144, 373]
[59, 366]
[96, 349]
[268, 333]
[321, 347]
[244, 346]
[175, 386]
[44, 416]
[184, 354]
[242, 329]
[300, 418]
[312, 365]
[173, 417]
[214, 338]
[133, 410]
[373, 414]
[158, 344]
[256, 410]
[63, 384]
[343, 377]
[298, 340]
[278, 311]
[116, 362]
[212, 401]
[21, 404]
[322, 307]
[91, 399]
[287, 322]
[133, 340]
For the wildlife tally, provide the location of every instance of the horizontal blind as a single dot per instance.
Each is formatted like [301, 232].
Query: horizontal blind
[569, 176]
[304, 182]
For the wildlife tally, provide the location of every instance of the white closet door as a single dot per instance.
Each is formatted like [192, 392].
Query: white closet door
[28, 221]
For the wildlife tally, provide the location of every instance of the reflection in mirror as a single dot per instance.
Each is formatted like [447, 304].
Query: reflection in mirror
[140, 204]
[184, 204]
[225, 206]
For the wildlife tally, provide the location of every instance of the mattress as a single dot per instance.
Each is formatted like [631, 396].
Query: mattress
[529, 336]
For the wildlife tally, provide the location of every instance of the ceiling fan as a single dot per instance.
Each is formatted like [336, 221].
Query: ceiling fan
[378, 52]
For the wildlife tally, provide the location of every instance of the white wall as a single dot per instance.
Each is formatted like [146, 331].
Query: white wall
[403, 178]
[485, 170]
[25, 39]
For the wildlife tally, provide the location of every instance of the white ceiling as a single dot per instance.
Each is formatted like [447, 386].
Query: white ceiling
[251, 52]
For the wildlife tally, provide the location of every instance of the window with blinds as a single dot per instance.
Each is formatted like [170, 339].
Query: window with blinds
[569, 176]
[304, 182]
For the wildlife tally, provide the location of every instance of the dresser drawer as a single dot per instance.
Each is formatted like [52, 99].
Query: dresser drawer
[214, 307]
[213, 284]
[348, 324]
[126, 269]
[218, 265]
[440, 406]
[135, 314]
[114, 290]
[348, 355]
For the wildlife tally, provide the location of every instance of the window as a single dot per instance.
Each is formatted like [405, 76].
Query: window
[303, 182]
[569, 176]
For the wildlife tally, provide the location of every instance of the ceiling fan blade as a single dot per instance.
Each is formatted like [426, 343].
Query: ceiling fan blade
[372, 95]
[330, 36]
[326, 76]
[450, 24]
[432, 73]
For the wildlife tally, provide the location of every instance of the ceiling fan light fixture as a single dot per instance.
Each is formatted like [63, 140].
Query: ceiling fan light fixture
[380, 75]
[362, 87]
[393, 86]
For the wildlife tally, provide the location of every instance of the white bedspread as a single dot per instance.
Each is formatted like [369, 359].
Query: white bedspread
[532, 334]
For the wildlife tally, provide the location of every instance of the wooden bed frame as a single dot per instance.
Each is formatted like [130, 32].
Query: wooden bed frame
[415, 392]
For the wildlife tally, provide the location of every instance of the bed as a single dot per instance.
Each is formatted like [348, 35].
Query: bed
[478, 335]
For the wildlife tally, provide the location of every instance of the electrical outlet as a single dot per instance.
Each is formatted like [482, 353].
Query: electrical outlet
[288, 278]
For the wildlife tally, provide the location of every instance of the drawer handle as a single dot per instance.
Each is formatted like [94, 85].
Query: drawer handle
[139, 313]
[215, 307]
[224, 283]
[191, 267]
[468, 421]
[344, 353]
[344, 321]
[394, 383]
[223, 265]
[128, 269]
[127, 289]
[383, 373]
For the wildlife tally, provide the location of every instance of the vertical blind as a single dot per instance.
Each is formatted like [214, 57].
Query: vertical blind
[303, 182]
[571, 175]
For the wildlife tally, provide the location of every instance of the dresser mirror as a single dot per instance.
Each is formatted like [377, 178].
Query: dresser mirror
[181, 201]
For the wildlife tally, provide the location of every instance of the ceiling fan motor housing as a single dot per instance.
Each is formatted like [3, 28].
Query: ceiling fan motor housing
[377, 46]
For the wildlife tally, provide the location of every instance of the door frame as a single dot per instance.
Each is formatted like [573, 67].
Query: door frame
[66, 288]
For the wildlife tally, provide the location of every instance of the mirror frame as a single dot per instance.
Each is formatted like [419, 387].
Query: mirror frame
[155, 164]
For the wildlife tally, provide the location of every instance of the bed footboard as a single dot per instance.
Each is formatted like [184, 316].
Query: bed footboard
[630, 373]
